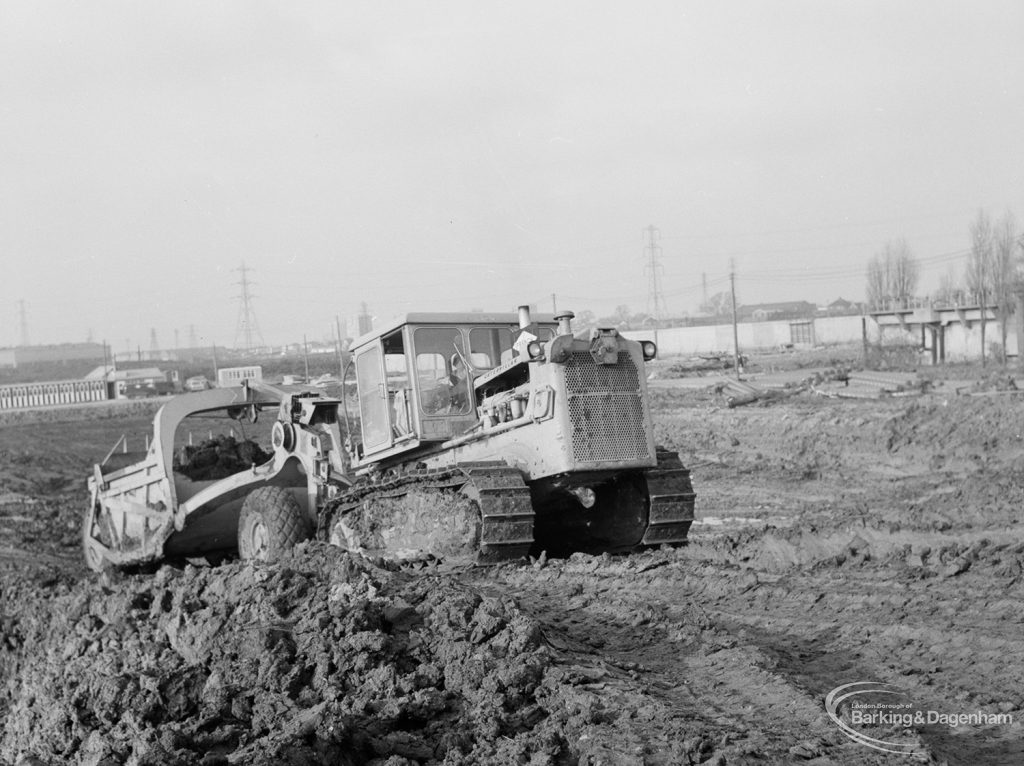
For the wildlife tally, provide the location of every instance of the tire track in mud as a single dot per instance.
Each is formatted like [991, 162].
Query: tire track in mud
[21, 556]
[814, 666]
[619, 661]
[743, 659]
[635, 629]
[889, 623]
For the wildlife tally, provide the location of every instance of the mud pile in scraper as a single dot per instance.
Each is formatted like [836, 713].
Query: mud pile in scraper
[218, 458]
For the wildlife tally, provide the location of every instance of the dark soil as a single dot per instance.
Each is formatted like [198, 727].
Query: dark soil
[837, 541]
[218, 458]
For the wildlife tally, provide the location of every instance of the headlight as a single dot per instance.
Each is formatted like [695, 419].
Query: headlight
[650, 350]
[535, 349]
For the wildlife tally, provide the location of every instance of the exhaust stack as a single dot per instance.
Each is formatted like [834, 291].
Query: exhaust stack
[565, 322]
[524, 316]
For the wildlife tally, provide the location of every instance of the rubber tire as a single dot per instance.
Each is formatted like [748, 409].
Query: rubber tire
[92, 555]
[270, 524]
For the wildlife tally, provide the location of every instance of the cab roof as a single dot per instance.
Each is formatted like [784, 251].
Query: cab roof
[445, 319]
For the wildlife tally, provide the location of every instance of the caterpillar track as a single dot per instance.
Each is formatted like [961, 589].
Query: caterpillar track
[671, 501]
[484, 513]
[493, 495]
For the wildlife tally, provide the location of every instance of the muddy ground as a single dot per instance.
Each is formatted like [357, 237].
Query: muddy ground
[838, 541]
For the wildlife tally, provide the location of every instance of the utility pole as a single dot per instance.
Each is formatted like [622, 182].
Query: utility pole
[653, 267]
[341, 363]
[247, 326]
[864, 340]
[305, 356]
[981, 268]
[22, 323]
[554, 304]
[735, 330]
[365, 320]
[154, 347]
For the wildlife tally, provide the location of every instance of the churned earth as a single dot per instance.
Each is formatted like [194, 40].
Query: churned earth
[838, 541]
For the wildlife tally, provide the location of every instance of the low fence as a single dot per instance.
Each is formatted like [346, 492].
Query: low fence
[22, 395]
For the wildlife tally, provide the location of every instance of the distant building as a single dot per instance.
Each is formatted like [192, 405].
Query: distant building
[47, 394]
[62, 352]
[235, 376]
[145, 381]
[760, 312]
[151, 355]
[843, 307]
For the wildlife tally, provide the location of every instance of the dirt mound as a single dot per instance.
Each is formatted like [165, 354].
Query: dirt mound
[970, 425]
[322, 658]
[852, 441]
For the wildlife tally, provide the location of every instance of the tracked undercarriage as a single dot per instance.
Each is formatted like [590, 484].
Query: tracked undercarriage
[486, 513]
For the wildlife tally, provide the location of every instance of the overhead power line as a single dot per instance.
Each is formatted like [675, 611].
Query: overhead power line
[830, 226]
[653, 268]
[247, 328]
[23, 323]
[844, 271]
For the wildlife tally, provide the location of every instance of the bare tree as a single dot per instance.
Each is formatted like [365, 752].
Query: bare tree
[619, 318]
[892, 276]
[585, 319]
[979, 263]
[902, 271]
[718, 304]
[876, 294]
[1005, 272]
[622, 314]
[980, 267]
[950, 292]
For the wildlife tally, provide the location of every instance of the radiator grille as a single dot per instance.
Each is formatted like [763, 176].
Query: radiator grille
[606, 411]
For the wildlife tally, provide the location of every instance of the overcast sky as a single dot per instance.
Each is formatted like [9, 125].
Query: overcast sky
[448, 156]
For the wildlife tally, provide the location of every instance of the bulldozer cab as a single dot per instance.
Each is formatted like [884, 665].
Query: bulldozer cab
[415, 378]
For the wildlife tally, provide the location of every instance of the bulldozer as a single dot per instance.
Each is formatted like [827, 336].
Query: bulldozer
[472, 437]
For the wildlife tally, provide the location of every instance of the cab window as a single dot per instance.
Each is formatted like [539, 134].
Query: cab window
[372, 406]
[399, 390]
[441, 375]
[487, 345]
[492, 346]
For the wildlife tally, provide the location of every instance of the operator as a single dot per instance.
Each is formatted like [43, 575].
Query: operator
[448, 394]
[458, 382]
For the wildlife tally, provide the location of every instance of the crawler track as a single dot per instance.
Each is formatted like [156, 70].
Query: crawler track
[671, 501]
[506, 511]
[503, 499]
